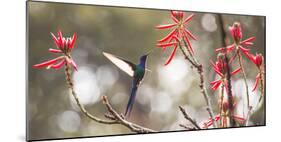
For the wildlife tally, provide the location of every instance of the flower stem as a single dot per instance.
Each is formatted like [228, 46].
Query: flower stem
[190, 53]
[221, 103]
[199, 68]
[246, 86]
[261, 83]
[245, 78]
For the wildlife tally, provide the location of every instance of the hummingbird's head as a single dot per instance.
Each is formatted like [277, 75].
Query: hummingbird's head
[143, 58]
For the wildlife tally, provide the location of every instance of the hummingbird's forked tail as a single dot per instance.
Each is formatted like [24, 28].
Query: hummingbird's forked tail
[131, 100]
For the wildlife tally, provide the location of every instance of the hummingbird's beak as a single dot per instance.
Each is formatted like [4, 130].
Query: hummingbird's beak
[150, 51]
[147, 54]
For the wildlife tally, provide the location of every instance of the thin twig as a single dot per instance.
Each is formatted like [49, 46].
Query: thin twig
[116, 119]
[187, 117]
[121, 120]
[199, 68]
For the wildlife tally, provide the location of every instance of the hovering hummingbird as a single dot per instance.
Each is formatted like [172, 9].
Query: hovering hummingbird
[133, 70]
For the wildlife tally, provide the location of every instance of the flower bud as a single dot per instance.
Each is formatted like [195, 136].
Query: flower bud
[259, 59]
[178, 15]
[236, 32]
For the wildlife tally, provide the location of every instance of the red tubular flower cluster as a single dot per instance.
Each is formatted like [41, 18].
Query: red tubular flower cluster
[178, 34]
[209, 122]
[236, 34]
[64, 46]
[256, 59]
[220, 68]
[223, 117]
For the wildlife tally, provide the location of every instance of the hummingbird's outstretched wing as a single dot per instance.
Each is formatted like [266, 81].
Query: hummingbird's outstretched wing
[121, 63]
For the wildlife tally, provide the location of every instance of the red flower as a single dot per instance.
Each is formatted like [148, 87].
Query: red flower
[64, 46]
[220, 68]
[209, 122]
[224, 116]
[178, 34]
[236, 33]
[257, 60]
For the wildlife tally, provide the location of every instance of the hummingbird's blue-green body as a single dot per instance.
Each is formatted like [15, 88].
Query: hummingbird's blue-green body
[136, 71]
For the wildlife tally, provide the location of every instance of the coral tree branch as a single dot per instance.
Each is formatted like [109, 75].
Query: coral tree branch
[187, 117]
[116, 119]
[228, 73]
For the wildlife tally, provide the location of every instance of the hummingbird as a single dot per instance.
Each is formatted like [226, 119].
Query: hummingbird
[136, 71]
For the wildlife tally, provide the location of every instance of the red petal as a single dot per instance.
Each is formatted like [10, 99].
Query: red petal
[250, 56]
[218, 72]
[216, 85]
[217, 117]
[189, 44]
[248, 40]
[256, 83]
[247, 43]
[60, 39]
[55, 40]
[236, 71]
[165, 26]
[174, 18]
[244, 49]
[166, 44]
[171, 56]
[214, 82]
[47, 63]
[58, 65]
[239, 119]
[74, 65]
[168, 36]
[228, 48]
[191, 35]
[233, 57]
[176, 38]
[210, 122]
[220, 49]
[67, 43]
[216, 68]
[55, 50]
[73, 40]
[213, 65]
[188, 18]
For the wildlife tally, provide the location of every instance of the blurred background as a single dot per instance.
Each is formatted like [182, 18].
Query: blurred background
[128, 33]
